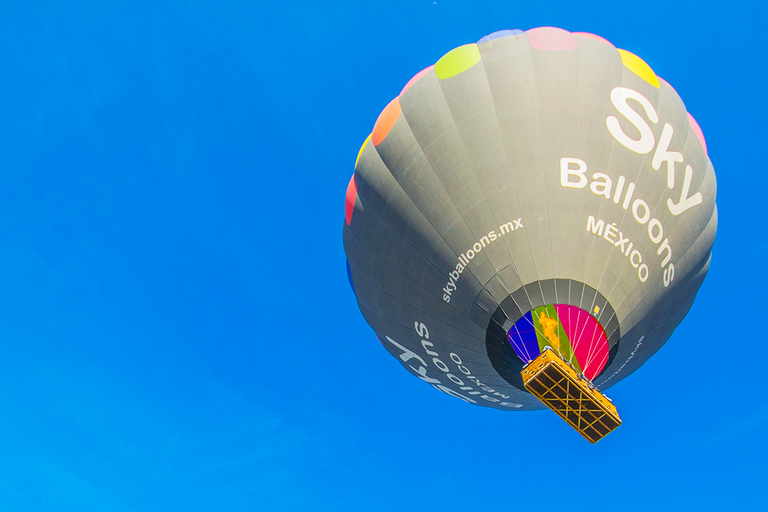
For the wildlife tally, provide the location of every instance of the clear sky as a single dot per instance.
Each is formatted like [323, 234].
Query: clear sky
[176, 327]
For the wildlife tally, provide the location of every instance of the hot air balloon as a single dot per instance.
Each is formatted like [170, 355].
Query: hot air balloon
[529, 220]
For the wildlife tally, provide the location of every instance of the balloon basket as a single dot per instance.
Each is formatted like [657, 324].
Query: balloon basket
[572, 396]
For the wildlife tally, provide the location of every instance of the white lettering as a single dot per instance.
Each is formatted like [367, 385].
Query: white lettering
[477, 247]
[424, 344]
[628, 197]
[655, 223]
[595, 227]
[566, 172]
[407, 354]
[665, 247]
[669, 274]
[619, 97]
[686, 201]
[603, 187]
[642, 272]
[619, 189]
[662, 154]
[449, 391]
[421, 330]
[440, 365]
[621, 241]
[642, 219]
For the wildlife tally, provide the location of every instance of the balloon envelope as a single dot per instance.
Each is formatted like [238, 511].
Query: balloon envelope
[538, 188]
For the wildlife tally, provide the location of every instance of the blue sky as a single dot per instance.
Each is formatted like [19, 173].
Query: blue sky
[176, 327]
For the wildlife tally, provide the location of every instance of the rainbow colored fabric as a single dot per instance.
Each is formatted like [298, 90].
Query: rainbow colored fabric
[569, 330]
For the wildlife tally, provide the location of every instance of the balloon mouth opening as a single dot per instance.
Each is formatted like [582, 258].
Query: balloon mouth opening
[567, 316]
[573, 333]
